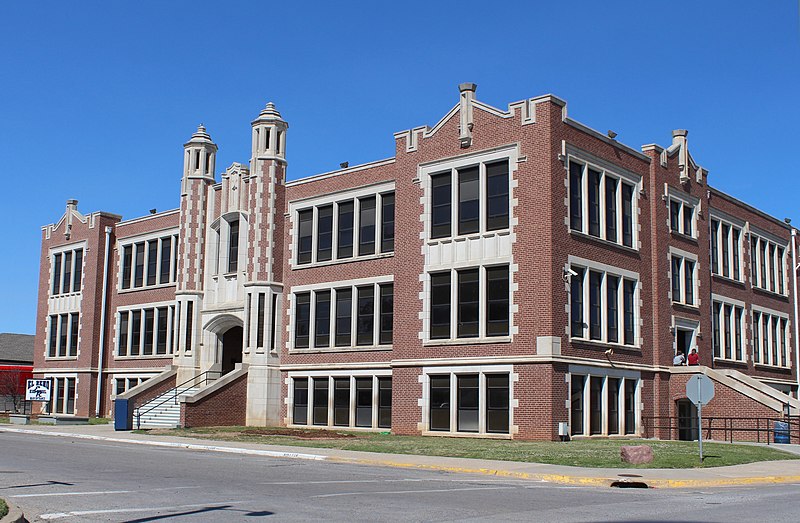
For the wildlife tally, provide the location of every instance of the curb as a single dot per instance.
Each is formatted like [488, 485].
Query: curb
[14, 515]
[563, 479]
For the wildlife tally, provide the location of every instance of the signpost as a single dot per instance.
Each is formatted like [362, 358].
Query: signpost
[38, 390]
[700, 390]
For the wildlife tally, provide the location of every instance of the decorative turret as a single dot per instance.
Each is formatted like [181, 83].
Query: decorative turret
[269, 134]
[200, 155]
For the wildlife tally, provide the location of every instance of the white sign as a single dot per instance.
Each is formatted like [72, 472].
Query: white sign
[38, 390]
[700, 389]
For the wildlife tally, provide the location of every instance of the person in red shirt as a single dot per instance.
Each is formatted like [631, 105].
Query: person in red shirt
[694, 358]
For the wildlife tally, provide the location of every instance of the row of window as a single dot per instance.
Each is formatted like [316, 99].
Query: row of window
[477, 403]
[150, 262]
[344, 229]
[726, 249]
[470, 303]
[63, 340]
[63, 396]
[146, 332]
[681, 217]
[67, 272]
[482, 194]
[349, 314]
[123, 385]
[727, 327]
[602, 405]
[600, 204]
[607, 301]
[768, 264]
[343, 401]
[683, 280]
[770, 339]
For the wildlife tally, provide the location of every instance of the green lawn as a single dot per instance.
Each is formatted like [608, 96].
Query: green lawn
[582, 453]
[99, 421]
[3, 509]
[4, 419]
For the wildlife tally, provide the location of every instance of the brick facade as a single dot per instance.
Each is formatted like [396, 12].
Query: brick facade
[220, 312]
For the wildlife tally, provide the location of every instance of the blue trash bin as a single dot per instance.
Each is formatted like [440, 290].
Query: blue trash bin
[781, 431]
[123, 414]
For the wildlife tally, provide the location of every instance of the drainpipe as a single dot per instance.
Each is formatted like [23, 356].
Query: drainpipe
[103, 314]
[795, 299]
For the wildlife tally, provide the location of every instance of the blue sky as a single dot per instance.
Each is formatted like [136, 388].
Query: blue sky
[97, 98]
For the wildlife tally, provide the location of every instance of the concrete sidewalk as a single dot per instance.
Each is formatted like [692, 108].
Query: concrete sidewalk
[764, 472]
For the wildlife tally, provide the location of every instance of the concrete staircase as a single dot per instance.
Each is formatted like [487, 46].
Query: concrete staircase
[163, 411]
[749, 381]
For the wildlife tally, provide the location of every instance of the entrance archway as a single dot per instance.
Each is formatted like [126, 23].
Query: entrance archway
[231, 349]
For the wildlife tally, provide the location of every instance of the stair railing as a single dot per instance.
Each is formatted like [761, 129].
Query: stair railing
[202, 378]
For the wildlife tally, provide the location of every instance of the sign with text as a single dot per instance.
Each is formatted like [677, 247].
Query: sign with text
[38, 390]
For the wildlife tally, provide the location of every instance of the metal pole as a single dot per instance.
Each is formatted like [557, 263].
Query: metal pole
[795, 300]
[700, 427]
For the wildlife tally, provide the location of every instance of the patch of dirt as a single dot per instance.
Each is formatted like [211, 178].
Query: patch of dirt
[299, 433]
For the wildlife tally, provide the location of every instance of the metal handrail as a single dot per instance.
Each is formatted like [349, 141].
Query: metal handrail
[730, 425]
[206, 375]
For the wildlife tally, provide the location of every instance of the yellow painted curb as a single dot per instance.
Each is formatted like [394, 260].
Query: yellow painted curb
[586, 481]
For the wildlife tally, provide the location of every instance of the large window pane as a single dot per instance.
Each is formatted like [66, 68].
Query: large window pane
[344, 240]
[612, 306]
[366, 226]
[387, 314]
[341, 402]
[127, 260]
[73, 334]
[363, 402]
[576, 303]
[320, 401]
[62, 343]
[387, 222]
[469, 200]
[344, 317]
[497, 402]
[302, 320]
[322, 319]
[161, 335]
[300, 412]
[305, 220]
[147, 348]
[366, 316]
[576, 404]
[596, 405]
[440, 403]
[676, 279]
[629, 287]
[612, 386]
[627, 215]
[440, 305]
[233, 246]
[497, 196]
[384, 402]
[324, 233]
[441, 202]
[611, 209]
[497, 303]
[576, 196]
[122, 336]
[688, 277]
[66, 285]
[595, 315]
[468, 296]
[630, 406]
[57, 275]
[166, 257]
[138, 272]
[152, 262]
[468, 403]
[594, 202]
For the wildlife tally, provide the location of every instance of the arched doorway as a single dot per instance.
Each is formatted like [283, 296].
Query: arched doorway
[231, 349]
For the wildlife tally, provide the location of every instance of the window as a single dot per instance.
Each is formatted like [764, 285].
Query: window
[63, 338]
[596, 295]
[600, 204]
[63, 399]
[482, 194]
[67, 269]
[768, 265]
[770, 338]
[329, 232]
[124, 384]
[145, 332]
[475, 402]
[489, 285]
[260, 311]
[683, 280]
[363, 401]
[726, 249]
[233, 245]
[727, 329]
[149, 263]
[681, 217]
[334, 311]
[602, 404]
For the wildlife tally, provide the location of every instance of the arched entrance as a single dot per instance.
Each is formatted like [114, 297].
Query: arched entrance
[231, 349]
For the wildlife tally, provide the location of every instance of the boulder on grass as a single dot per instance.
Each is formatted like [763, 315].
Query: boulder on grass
[636, 454]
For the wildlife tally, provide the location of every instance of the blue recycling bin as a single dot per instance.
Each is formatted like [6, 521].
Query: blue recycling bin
[781, 431]
[123, 414]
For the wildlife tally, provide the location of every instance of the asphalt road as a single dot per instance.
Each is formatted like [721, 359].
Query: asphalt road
[64, 479]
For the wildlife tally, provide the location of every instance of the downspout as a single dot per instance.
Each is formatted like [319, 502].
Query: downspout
[794, 296]
[103, 314]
